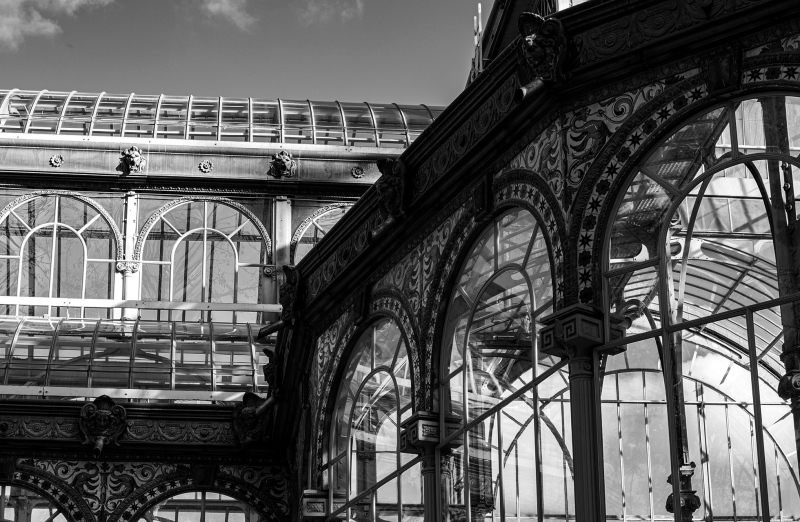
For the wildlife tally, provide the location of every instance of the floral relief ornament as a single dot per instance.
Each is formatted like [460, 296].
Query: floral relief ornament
[206, 166]
[132, 161]
[56, 160]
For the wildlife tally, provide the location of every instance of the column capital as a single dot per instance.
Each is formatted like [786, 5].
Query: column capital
[421, 433]
[574, 331]
[316, 505]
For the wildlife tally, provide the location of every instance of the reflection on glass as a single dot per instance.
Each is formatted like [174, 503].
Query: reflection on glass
[722, 256]
[513, 461]
[375, 396]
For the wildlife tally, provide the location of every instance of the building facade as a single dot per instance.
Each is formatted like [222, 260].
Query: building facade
[575, 295]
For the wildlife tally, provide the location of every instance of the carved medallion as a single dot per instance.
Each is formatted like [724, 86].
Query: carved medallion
[102, 422]
[56, 160]
[206, 166]
[282, 165]
[131, 161]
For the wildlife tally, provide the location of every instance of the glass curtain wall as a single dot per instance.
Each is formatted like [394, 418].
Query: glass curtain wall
[512, 456]
[693, 257]
[369, 478]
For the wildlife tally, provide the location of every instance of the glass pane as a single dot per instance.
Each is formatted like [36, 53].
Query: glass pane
[72, 354]
[193, 356]
[30, 353]
[152, 365]
[233, 357]
[111, 361]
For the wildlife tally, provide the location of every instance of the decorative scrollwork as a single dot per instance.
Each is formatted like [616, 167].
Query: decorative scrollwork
[282, 165]
[131, 161]
[102, 422]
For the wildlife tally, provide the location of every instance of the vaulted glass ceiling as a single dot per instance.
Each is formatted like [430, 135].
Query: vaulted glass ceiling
[213, 118]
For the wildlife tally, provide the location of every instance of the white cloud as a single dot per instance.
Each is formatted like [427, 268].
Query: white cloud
[235, 11]
[322, 11]
[20, 19]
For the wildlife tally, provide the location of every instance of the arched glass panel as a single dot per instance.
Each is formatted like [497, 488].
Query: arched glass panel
[18, 504]
[313, 229]
[375, 396]
[56, 246]
[512, 457]
[699, 238]
[205, 251]
[199, 506]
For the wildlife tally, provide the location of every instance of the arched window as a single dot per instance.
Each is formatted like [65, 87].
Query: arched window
[55, 244]
[204, 250]
[693, 256]
[201, 506]
[375, 396]
[314, 228]
[18, 504]
[512, 458]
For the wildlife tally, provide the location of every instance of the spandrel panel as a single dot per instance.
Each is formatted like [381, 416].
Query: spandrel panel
[111, 361]
[153, 359]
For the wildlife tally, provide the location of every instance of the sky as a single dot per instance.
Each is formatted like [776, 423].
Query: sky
[402, 51]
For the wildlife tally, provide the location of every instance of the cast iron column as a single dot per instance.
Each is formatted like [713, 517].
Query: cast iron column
[576, 332]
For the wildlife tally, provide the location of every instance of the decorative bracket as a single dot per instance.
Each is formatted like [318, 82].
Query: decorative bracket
[722, 68]
[102, 421]
[542, 52]
[689, 502]
[249, 417]
[391, 189]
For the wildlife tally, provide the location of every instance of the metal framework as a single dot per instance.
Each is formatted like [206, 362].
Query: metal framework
[158, 360]
[217, 119]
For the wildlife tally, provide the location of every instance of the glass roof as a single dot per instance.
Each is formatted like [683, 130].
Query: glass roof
[134, 359]
[213, 118]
